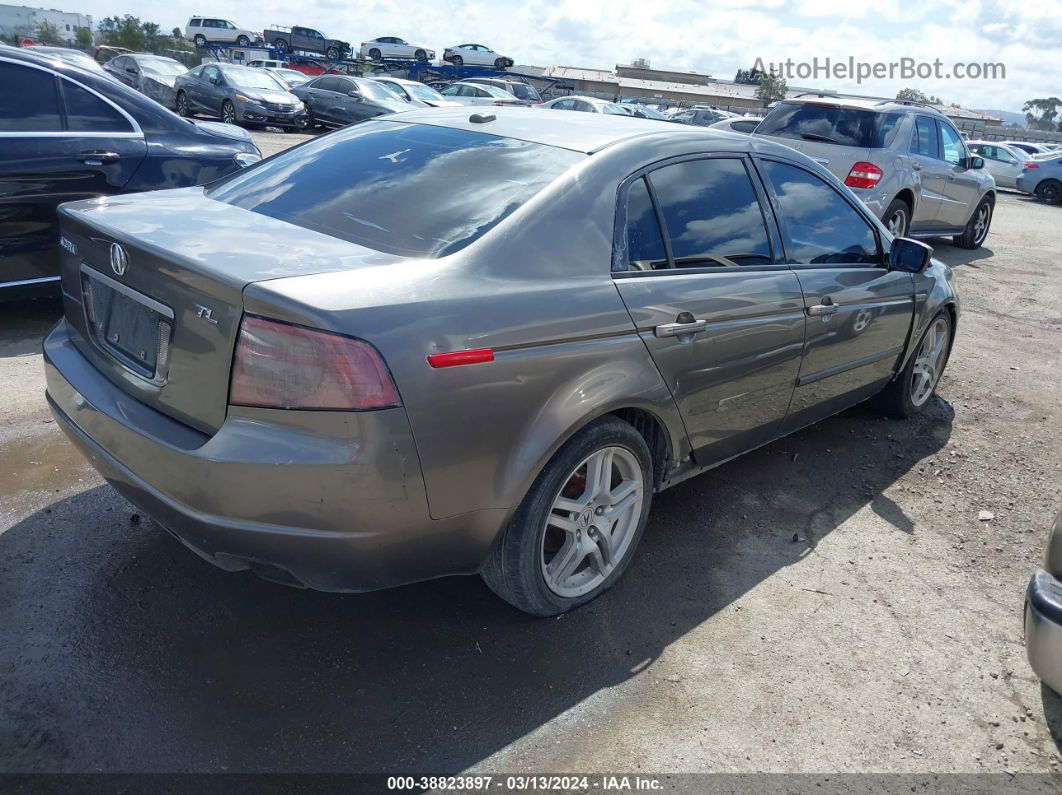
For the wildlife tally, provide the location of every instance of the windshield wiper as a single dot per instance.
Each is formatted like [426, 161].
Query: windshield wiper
[817, 137]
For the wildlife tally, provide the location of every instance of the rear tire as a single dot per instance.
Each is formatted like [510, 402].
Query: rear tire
[909, 393]
[182, 105]
[544, 569]
[280, 45]
[199, 40]
[977, 227]
[897, 218]
[1049, 191]
[374, 54]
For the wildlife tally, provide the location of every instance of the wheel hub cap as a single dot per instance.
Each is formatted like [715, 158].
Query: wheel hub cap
[929, 362]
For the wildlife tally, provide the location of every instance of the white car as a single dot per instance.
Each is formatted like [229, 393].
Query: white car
[280, 70]
[476, 55]
[394, 47]
[738, 124]
[1004, 163]
[416, 93]
[587, 105]
[476, 94]
[212, 30]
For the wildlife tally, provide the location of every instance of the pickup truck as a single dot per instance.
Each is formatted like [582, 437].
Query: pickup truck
[298, 39]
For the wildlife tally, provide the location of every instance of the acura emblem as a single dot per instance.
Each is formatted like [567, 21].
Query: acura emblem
[119, 259]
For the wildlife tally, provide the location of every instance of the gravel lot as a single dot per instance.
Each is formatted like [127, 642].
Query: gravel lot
[828, 603]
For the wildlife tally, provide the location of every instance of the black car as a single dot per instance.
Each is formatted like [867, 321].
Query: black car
[238, 95]
[338, 100]
[68, 134]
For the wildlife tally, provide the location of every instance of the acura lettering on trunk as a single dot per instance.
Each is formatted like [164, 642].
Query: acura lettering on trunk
[475, 343]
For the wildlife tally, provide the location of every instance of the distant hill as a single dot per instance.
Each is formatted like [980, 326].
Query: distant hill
[1008, 116]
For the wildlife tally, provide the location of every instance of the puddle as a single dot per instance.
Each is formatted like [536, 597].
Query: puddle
[35, 469]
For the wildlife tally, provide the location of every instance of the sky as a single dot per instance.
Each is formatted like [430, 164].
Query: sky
[715, 37]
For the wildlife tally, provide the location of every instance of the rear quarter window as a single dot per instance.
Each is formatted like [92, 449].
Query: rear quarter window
[866, 129]
[408, 189]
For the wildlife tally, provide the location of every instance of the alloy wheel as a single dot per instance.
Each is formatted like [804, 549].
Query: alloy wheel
[228, 113]
[929, 362]
[981, 222]
[897, 224]
[592, 521]
[182, 105]
[1049, 192]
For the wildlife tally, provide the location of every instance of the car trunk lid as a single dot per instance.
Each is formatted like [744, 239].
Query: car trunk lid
[160, 315]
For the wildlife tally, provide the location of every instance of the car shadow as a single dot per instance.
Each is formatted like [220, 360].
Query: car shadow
[955, 256]
[124, 651]
[24, 324]
[1052, 713]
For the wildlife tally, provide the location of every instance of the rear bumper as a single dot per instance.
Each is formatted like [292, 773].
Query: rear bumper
[1043, 628]
[327, 500]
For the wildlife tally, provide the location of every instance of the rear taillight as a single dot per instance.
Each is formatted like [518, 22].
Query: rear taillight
[863, 175]
[278, 365]
[1031, 164]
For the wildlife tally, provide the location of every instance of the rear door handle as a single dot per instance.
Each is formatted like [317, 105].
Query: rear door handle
[96, 158]
[680, 329]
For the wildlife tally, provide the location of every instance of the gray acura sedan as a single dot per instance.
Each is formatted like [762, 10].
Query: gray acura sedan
[414, 381]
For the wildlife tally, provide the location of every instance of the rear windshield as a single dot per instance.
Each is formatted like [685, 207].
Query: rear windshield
[866, 129]
[408, 189]
[525, 92]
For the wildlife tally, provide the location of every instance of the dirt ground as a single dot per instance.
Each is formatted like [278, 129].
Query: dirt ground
[828, 603]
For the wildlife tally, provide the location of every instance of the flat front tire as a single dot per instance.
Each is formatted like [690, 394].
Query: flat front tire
[578, 527]
[909, 392]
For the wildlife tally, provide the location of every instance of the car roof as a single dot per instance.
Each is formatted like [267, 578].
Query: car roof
[581, 132]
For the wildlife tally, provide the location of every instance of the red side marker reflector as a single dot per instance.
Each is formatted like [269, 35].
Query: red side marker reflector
[455, 358]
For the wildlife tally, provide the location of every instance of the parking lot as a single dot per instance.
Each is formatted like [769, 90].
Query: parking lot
[831, 602]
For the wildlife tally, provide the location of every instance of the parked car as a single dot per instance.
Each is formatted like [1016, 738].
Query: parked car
[699, 117]
[267, 63]
[152, 75]
[300, 39]
[105, 53]
[394, 47]
[213, 30]
[738, 124]
[641, 111]
[517, 88]
[907, 163]
[73, 57]
[468, 93]
[475, 55]
[586, 105]
[339, 100]
[289, 77]
[114, 140]
[1027, 147]
[1001, 161]
[415, 92]
[1043, 614]
[238, 95]
[1042, 177]
[414, 380]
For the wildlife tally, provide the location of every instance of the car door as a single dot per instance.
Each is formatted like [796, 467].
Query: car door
[698, 264]
[58, 142]
[858, 312]
[346, 109]
[1008, 167]
[320, 99]
[210, 90]
[929, 171]
[962, 188]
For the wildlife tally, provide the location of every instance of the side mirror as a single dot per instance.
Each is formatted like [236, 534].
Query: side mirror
[976, 162]
[910, 256]
[354, 95]
[131, 70]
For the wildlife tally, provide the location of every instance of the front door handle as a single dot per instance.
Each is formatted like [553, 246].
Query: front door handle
[681, 329]
[97, 158]
[826, 308]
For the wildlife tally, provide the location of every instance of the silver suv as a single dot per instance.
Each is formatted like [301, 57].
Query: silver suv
[905, 161]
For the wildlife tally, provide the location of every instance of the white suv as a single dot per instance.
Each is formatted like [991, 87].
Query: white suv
[211, 30]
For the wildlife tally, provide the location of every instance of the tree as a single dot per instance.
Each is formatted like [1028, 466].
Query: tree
[177, 35]
[748, 77]
[83, 38]
[1041, 114]
[914, 95]
[122, 32]
[48, 33]
[770, 88]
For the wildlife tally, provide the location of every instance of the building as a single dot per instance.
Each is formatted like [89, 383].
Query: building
[16, 21]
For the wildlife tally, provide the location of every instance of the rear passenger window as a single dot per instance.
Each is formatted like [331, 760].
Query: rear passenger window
[924, 140]
[86, 112]
[953, 149]
[645, 244]
[711, 213]
[34, 107]
[818, 226]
